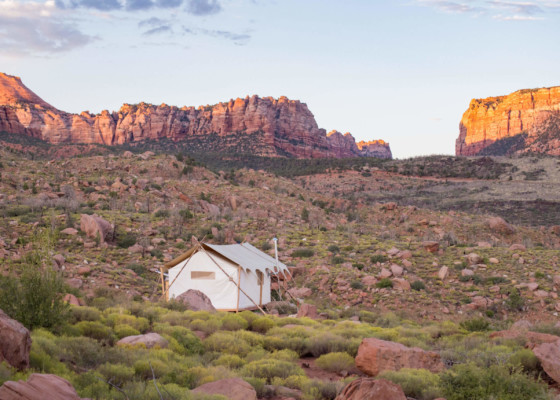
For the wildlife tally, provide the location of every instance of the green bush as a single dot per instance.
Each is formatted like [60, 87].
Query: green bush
[117, 374]
[356, 285]
[303, 253]
[234, 322]
[475, 325]
[327, 342]
[526, 359]
[122, 331]
[268, 369]
[185, 337]
[420, 384]
[378, 258]
[226, 342]
[84, 313]
[336, 362]
[322, 390]
[125, 240]
[262, 324]
[96, 330]
[467, 381]
[231, 361]
[417, 285]
[384, 283]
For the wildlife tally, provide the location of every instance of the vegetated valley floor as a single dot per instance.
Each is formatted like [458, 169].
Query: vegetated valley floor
[360, 256]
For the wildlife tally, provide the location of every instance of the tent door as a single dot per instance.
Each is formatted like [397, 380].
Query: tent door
[260, 280]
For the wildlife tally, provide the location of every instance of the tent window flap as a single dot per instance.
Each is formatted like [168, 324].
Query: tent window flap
[203, 275]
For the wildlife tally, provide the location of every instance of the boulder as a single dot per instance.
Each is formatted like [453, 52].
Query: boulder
[196, 300]
[443, 273]
[376, 355]
[517, 247]
[371, 389]
[549, 356]
[72, 300]
[300, 293]
[95, 226]
[39, 387]
[149, 340]
[396, 270]
[473, 259]
[232, 388]
[385, 273]
[431, 246]
[500, 226]
[308, 310]
[522, 325]
[401, 284]
[15, 342]
[467, 272]
[59, 260]
[69, 231]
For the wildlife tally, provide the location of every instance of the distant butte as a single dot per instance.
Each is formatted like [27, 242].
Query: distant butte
[277, 127]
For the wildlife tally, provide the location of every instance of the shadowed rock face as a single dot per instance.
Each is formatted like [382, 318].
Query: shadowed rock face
[493, 119]
[284, 127]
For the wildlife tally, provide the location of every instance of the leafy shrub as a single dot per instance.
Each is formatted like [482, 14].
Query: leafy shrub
[316, 389]
[378, 258]
[333, 248]
[420, 384]
[185, 337]
[475, 325]
[303, 253]
[384, 283]
[525, 358]
[467, 381]
[35, 297]
[122, 331]
[117, 374]
[417, 285]
[96, 330]
[514, 301]
[234, 322]
[226, 342]
[161, 214]
[269, 369]
[327, 342]
[138, 269]
[262, 324]
[231, 361]
[84, 313]
[356, 285]
[125, 240]
[336, 362]
[206, 326]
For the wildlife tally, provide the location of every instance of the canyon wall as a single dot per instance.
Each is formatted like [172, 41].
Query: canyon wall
[531, 112]
[283, 127]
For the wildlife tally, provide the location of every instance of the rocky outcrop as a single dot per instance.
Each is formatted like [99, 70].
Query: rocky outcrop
[195, 300]
[376, 355]
[375, 148]
[149, 340]
[371, 389]
[96, 227]
[274, 127]
[39, 387]
[232, 388]
[549, 356]
[527, 120]
[15, 342]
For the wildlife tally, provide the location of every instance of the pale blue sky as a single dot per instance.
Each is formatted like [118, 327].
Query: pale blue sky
[403, 71]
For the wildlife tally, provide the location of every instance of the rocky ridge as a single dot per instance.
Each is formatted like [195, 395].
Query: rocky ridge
[494, 120]
[277, 127]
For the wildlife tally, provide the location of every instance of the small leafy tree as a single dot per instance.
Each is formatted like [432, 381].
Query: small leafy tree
[33, 294]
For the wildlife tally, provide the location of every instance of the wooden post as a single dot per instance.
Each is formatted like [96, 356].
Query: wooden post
[238, 287]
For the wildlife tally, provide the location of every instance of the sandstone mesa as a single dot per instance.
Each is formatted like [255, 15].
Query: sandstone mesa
[282, 127]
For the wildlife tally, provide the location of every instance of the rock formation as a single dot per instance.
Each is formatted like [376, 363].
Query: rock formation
[39, 387]
[376, 355]
[371, 389]
[148, 340]
[272, 127]
[526, 120]
[232, 388]
[15, 342]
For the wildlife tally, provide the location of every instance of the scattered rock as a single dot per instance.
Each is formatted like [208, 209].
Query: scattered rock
[371, 389]
[71, 299]
[39, 387]
[69, 231]
[473, 259]
[84, 270]
[517, 247]
[59, 260]
[385, 273]
[94, 226]
[549, 356]
[196, 300]
[522, 325]
[232, 388]
[308, 310]
[149, 340]
[300, 293]
[443, 273]
[15, 342]
[376, 355]
[369, 280]
[396, 270]
[467, 272]
[500, 226]
[494, 260]
[431, 246]
[401, 284]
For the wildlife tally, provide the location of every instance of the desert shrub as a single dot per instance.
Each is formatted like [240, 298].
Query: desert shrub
[551, 329]
[206, 326]
[333, 248]
[336, 362]
[515, 301]
[96, 330]
[269, 369]
[322, 390]
[263, 390]
[143, 368]
[84, 313]
[327, 342]
[234, 322]
[125, 240]
[356, 285]
[226, 342]
[185, 337]
[526, 358]
[384, 283]
[293, 382]
[122, 331]
[249, 316]
[83, 351]
[141, 324]
[138, 269]
[254, 339]
[337, 260]
[420, 384]
[117, 374]
[378, 258]
[161, 214]
[467, 381]
[35, 297]
[475, 325]
[417, 285]
[231, 361]
[303, 253]
[262, 324]
[284, 355]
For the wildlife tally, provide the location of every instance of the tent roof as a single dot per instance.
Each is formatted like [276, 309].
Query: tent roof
[245, 255]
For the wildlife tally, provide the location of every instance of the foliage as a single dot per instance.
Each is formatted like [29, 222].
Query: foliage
[384, 283]
[417, 285]
[475, 325]
[420, 384]
[336, 362]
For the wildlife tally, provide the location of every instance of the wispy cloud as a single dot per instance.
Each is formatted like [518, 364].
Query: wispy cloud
[239, 39]
[497, 9]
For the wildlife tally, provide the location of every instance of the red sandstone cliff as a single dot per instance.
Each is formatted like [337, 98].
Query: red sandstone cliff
[282, 126]
[532, 112]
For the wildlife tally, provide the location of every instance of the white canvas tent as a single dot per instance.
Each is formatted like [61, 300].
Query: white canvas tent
[235, 277]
